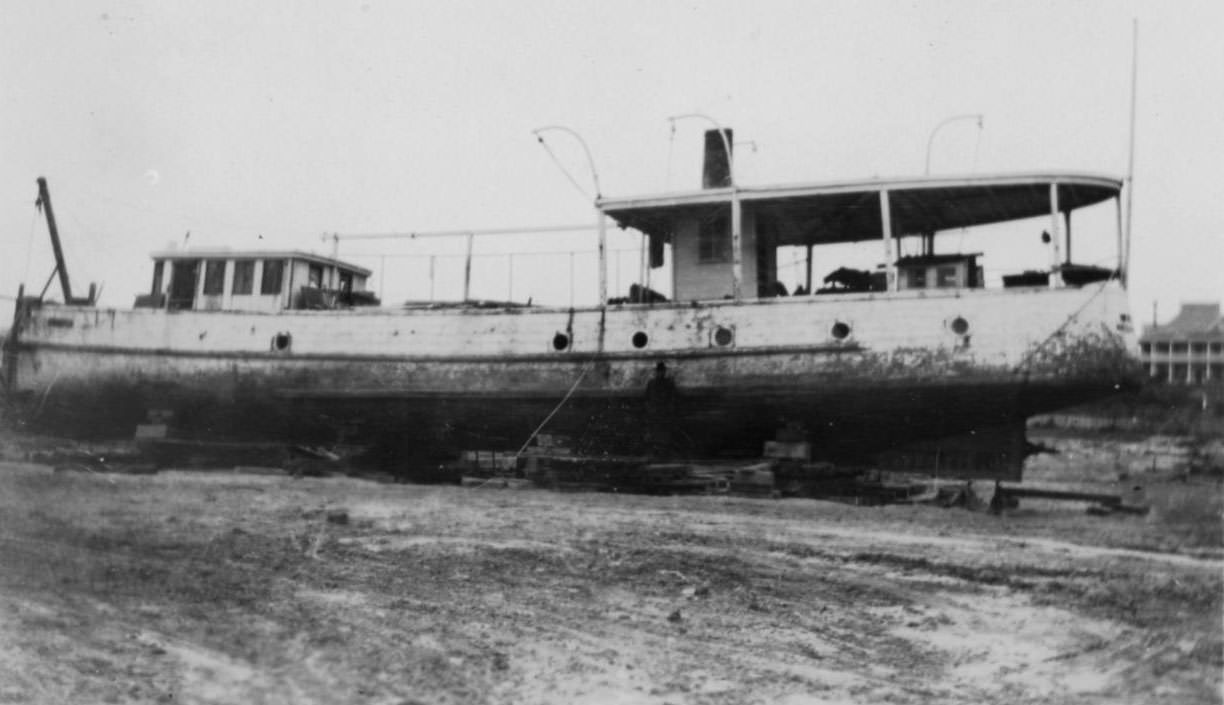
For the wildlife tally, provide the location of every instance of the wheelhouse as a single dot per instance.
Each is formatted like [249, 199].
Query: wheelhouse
[224, 280]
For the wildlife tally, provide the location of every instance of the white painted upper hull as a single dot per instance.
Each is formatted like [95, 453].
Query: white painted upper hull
[883, 359]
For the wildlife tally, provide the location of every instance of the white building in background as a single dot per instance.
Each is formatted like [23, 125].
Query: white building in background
[1188, 349]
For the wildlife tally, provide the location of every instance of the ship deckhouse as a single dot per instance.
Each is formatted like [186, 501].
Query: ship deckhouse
[725, 239]
[263, 281]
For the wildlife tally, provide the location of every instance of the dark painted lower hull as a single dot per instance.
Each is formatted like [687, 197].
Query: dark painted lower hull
[848, 419]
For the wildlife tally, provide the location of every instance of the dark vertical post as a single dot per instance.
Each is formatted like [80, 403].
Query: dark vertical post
[1067, 227]
[716, 167]
[467, 272]
[44, 198]
[11, 343]
[808, 278]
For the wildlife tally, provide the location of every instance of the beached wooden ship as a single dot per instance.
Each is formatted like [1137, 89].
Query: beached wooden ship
[928, 358]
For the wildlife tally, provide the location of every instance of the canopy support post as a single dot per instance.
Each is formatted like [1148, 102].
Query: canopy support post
[808, 279]
[467, 269]
[603, 258]
[737, 257]
[1067, 225]
[1055, 237]
[890, 266]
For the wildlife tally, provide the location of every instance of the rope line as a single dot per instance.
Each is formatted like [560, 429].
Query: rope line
[29, 246]
[548, 418]
[570, 393]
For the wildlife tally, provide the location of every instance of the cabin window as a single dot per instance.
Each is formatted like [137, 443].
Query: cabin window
[273, 272]
[314, 277]
[948, 277]
[244, 277]
[214, 277]
[713, 241]
[184, 275]
[915, 278]
[346, 282]
[159, 271]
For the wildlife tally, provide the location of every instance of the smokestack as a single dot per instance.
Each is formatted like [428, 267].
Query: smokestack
[715, 170]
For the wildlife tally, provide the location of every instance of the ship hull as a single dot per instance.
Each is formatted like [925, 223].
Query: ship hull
[856, 375]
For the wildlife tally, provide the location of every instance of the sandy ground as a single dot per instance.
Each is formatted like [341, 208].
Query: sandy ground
[235, 588]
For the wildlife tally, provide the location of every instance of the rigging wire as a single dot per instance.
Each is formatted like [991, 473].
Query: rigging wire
[1026, 363]
[976, 146]
[25, 276]
[671, 146]
[562, 167]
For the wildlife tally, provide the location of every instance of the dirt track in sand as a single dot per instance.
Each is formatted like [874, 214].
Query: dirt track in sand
[222, 588]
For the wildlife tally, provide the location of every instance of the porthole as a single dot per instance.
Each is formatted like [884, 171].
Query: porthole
[281, 341]
[640, 339]
[840, 331]
[561, 341]
[723, 337]
[960, 326]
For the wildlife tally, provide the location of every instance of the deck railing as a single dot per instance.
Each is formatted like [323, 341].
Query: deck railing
[559, 277]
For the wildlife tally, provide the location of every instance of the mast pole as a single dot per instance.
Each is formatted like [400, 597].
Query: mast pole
[1130, 165]
[44, 199]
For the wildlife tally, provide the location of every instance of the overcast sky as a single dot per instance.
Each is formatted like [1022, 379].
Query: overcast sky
[286, 120]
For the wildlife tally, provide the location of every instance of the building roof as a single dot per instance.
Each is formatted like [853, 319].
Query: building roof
[226, 253]
[1196, 320]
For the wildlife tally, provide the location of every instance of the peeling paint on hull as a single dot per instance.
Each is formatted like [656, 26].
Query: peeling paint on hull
[446, 380]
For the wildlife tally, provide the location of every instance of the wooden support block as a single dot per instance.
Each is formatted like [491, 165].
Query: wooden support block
[792, 450]
[150, 431]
